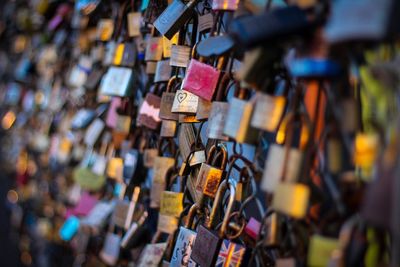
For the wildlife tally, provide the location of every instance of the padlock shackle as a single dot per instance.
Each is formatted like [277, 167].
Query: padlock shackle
[171, 82]
[212, 156]
[223, 87]
[190, 217]
[218, 198]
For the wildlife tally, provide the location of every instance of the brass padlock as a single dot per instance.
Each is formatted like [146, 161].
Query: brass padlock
[209, 177]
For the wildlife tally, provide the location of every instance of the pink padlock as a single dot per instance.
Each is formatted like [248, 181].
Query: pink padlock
[252, 228]
[201, 79]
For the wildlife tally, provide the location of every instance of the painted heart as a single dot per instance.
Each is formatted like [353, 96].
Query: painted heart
[181, 97]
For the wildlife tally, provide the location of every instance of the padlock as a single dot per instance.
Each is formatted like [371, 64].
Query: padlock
[116, 82]
[109, 254]
[133, 20]
[203, 109]
[274, 106]
[167, 45]
[129, 55]
[284, 162]
[167, 100]
[168, 128]
[123, 212]
[225, 5]
[171, 206]
[174, 17]
[184, 241]
[163, 71]
[105, 29]
[151, 255]
[161, 166]
[218, 112]
[237, 125]
[149, 111]
[153, 49]
[200, 79]
[291, 199]
[133, 229]
[320, 250]
[109, 53]
[185, 102]
[180, 55]
[207, 245]
[272, 234]
[209, 177]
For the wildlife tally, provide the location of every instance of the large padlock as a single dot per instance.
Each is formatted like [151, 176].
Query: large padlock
[174, 17]
[167, 100]
[284, 162]
[207, 245]
[237, 125]
[184, 241]
[201, 79]
[209, 177]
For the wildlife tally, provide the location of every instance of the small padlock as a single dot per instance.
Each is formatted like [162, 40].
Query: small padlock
[207, 245]
[274, 106]
[185, 102]
[105, 29]
[153, 49]
[237, 125]
[161, 166]
[174, 17]
[225, 5]
[168, 128]
[184, 241]
[180, 56]
[219, 112]
[163, 71]
[151, 255]
[209, 177]
[167, 100]
[291, 199]
[109, 254]
[277, 166]
[133, 20]
[149, 111]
